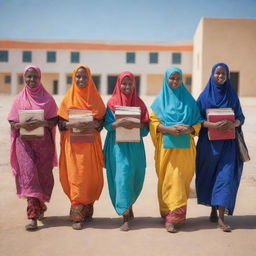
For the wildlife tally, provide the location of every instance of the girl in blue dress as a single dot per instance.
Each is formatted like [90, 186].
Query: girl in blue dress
[218, 164]
[125, 162]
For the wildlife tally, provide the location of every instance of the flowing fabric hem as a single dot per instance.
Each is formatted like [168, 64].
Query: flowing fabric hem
[227, 211]
[36, 195]
[177, 216]
[126, 209]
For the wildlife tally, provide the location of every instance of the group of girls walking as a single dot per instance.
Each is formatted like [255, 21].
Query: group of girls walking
[175, 120]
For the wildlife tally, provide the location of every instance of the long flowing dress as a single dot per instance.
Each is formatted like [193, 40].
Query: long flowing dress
[32, 161]
[218, 164]
[174, 164]
[125, 162]
[81, 163]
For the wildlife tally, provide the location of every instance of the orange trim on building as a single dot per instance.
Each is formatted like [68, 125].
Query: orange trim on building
[90, 46]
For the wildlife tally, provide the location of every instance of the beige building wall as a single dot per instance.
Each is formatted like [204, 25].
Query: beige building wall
[4, 87]
[47, 81]
[232, 41]
[20, 82]
[154, 83]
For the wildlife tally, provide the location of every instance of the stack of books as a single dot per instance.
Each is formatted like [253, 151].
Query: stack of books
[80, 115]
[29, 115]
[123, 134]
[220, 114]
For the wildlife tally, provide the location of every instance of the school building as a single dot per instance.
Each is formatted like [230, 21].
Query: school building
[228, 40]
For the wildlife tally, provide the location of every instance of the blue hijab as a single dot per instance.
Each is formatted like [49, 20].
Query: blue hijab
[176, 106]
[220, 96]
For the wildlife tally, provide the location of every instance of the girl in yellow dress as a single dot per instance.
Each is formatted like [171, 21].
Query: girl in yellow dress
[174, 122]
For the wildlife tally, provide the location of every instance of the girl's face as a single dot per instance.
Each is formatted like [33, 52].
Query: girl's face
[31, 78]
[174, 80]
[81, 78]
[220, 75]
[126, 85]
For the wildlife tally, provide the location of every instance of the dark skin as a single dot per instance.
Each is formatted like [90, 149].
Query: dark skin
[127, 122]
[220, 76]
[81, 79]
[32, 79]
[174, 82]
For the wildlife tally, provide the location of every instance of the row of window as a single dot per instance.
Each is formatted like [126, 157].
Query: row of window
[153, 57]
[51, 57]
[96, 79]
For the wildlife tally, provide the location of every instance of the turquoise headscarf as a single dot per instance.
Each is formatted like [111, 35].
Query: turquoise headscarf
[176, 106]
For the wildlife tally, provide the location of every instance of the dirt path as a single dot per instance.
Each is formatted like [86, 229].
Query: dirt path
[147, 237]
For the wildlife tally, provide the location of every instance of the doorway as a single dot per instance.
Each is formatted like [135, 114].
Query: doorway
[234, 80]
[55, 87]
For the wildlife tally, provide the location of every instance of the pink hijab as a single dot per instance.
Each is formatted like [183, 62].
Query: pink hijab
[31, 98]
[132, 100]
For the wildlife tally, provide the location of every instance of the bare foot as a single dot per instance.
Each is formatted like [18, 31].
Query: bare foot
[125, 227]
[223, 226]
[170, 228]
[77, 225]
[214, 215]
[32, 226]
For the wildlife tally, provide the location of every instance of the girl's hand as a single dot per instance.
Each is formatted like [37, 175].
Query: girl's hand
[82, 126]
[179, 129]
[32, 124]
[128, 123]
[224, 125]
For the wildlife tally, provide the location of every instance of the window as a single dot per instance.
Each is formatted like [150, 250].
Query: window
[27, 56]
[3, 56]
[69, 79]
[96, 80]
[21, 79]
[7, 79]
[153, 57]
[176, 58]
[51, 56]
[75, 57]
[130, 57]
[188, 80]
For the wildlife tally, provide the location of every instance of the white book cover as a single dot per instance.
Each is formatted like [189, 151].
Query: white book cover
[29, 115]
[79, 115]
[123, 134]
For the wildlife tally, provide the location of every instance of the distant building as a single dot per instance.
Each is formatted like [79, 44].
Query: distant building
[106, 59]
[216, 40]
[232, 41]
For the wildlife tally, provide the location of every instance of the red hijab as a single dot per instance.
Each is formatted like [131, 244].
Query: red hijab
[131, 100]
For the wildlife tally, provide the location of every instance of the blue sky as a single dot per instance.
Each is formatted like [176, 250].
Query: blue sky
[150, 20]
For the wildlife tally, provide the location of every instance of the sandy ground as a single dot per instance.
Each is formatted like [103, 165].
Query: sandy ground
[147, 237]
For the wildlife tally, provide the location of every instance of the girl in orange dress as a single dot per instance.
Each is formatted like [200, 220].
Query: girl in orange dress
[81, 163]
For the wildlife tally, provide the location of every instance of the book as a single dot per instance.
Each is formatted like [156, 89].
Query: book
[29, 115]
[123, 134]
[76, 135]
[219, 114]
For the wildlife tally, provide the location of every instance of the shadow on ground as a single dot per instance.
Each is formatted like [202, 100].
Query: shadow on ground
[192, 224]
